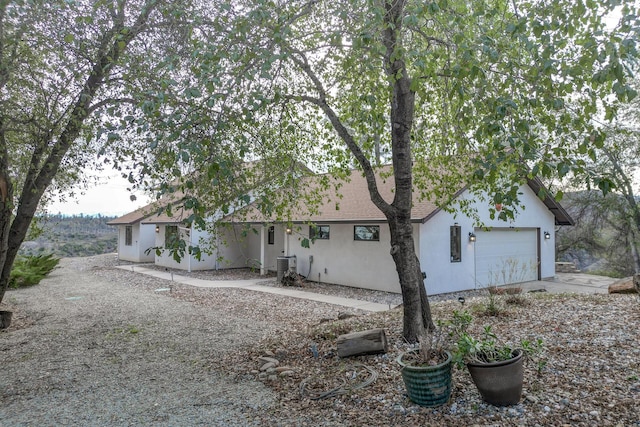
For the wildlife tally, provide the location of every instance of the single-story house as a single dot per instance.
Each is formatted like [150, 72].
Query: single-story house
[350, 245]
[136, 239]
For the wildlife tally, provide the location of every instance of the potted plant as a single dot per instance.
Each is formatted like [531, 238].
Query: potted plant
[426, 371]
[495, 367]
[5, 319]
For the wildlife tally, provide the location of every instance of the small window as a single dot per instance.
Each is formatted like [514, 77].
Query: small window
[319, 232]
[128, 235]
[456, 243]
[366, 232]
[170, 235]
[271, 235]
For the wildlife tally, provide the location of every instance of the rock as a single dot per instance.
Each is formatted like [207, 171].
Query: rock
[267, 366]
[255, 371]
[283, 369]
[272, 377]
[594, 413]
[623, 286]
[276, 362]
[287, 373]
[269, 353]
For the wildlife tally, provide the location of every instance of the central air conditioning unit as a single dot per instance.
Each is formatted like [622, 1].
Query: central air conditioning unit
[293, 263]
[284, 264]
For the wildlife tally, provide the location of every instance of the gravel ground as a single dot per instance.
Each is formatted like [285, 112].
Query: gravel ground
[98, 346]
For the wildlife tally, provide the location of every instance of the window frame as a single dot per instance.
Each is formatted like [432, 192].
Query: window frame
[271, 235]
[455, 243]
[375, 234]
[316, 232]
[128, 235]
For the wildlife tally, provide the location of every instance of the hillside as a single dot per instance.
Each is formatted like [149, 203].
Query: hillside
[72, 236]
[600, 242]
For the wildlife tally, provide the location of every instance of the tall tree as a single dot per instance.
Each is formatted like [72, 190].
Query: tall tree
[483, 92]
[613, 167]
[62, 64]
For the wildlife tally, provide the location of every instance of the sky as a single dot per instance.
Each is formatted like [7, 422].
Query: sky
[110, 198]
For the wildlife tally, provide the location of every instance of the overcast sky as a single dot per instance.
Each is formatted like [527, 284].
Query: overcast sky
[110, 198]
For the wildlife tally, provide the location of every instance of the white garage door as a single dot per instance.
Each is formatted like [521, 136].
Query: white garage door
[505, 256]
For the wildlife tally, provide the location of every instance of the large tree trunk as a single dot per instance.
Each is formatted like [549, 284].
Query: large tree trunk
[417, 314]
[42, 170]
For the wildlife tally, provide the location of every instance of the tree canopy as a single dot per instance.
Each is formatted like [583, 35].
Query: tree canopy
[481, 92]
[63, 64]
[486, 93]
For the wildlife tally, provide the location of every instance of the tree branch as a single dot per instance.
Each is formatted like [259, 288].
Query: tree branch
[108, 101]
[300, 60]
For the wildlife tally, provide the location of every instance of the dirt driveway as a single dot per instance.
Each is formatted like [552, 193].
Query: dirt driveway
[94, 351]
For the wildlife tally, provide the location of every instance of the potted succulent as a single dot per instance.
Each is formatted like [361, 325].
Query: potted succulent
[495, 367]
[426, 370]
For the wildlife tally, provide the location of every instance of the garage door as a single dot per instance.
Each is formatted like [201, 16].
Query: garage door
[505, 256]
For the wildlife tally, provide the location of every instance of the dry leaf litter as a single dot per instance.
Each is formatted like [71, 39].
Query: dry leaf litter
[95, 345]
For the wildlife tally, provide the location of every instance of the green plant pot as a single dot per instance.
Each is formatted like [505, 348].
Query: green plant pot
[427, 385]
[499, 383]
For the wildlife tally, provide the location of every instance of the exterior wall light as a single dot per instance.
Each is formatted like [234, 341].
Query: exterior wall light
[288, 230]
[547, 236]
[157, 228]
[472, 237]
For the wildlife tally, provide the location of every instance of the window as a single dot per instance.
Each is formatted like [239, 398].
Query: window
[271, 235]
[128, 235]
[170, 235]
[319, 232]
[366, 232]
[456, 243]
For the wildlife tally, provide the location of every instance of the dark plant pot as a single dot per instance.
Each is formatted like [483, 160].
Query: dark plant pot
[5, 319]
[499, 383]
[427, 385]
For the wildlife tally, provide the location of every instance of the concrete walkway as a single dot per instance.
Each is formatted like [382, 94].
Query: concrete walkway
[254, 285]
[561, 283]
[579, 283]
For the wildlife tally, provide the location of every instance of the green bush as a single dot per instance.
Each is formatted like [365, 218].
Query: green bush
[31, 269]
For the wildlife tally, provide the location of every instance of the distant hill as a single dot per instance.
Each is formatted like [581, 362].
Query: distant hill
[600, 241]
[72, 236]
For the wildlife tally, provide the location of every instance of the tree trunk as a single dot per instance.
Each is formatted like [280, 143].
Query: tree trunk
[6, 207]
[417, 311]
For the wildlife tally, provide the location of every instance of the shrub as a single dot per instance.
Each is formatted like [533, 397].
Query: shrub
[30, 270]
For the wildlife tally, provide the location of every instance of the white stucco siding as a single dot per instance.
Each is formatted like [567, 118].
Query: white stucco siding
[146, 240]
[142, 238]
[446, 276]
[188, 262]
[276, 249]
[344, 261]
[237, 247]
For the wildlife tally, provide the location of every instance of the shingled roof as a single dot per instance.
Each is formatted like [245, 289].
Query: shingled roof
[354, 203]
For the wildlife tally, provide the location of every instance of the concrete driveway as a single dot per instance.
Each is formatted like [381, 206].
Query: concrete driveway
[569, 283]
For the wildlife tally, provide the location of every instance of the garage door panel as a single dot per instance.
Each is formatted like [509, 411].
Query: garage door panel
[506, 256]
